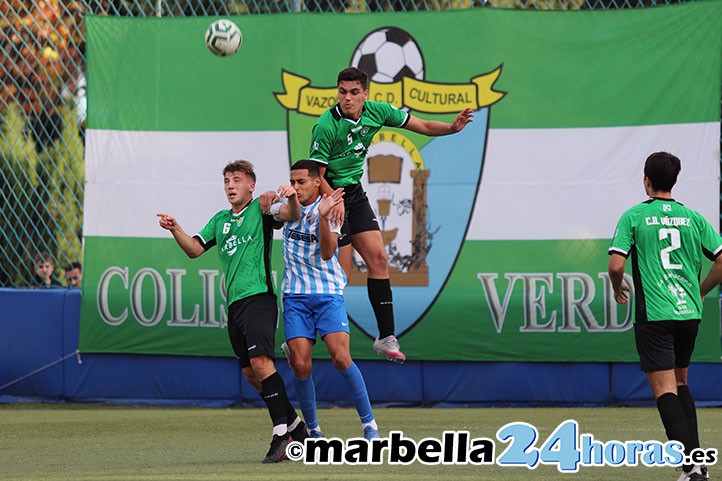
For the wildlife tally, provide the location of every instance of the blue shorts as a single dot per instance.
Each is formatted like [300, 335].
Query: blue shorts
[306, 314]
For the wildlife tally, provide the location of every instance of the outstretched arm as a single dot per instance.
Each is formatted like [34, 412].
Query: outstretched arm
[328, 240]
[190, 245]
[435, 128]
[292, 210]
[616, 275]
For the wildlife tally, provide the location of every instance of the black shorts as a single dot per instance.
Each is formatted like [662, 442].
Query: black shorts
[359, 217]
[252, 327]
[665, 345]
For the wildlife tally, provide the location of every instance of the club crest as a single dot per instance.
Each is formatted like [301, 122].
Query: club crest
[423, 189]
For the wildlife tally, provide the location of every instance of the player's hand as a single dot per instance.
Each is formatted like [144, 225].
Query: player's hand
[266, 200]
[329, 202]
[286, 191]
[621, 295]
[338, 212]
[464, 117]
[167, 222]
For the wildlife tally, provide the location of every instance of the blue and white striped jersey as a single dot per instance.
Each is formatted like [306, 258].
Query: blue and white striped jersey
[305, 272]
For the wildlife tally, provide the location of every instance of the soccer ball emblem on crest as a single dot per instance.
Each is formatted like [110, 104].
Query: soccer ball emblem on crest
[389, 54]
[223, 37]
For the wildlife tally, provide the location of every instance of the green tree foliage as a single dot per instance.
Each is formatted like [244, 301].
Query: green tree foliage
[41, 195]
[41, 148]
[63, 196]
[18, 187]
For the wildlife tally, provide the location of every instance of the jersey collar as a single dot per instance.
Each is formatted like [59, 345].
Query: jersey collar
[312, 204]
[240, 213]
[338, 115]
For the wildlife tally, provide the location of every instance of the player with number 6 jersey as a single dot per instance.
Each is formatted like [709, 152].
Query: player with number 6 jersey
[243, 235]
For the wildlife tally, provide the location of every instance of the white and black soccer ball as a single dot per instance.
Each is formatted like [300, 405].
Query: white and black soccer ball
[223, 37]
[389, 54]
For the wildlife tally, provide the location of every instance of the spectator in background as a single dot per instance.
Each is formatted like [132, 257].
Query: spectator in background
[73, 275]
[44, 268]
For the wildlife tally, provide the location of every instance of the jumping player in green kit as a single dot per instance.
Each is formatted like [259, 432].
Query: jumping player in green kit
[339, 143]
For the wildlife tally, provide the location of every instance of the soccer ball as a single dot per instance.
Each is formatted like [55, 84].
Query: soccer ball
[389, 54]
[223, 37]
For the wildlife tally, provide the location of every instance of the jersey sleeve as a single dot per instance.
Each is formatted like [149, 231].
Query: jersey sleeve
[394, 117]
[207, 235]
[321, 143]
[623, 236]
[276, 209]
[710, 240]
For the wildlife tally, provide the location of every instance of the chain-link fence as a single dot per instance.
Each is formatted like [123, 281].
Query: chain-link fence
[42, 101]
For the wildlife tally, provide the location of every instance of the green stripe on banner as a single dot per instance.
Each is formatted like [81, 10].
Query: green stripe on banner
[534, 305]
[560, 69]
[147, 297]
[558, 308]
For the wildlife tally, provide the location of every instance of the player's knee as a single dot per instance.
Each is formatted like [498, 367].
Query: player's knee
[302, 367]
[378, 260]
[341, 361]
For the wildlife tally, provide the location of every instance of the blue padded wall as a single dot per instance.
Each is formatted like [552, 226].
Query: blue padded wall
[39, 332]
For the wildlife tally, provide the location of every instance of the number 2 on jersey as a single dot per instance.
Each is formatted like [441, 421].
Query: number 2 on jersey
[676, 243]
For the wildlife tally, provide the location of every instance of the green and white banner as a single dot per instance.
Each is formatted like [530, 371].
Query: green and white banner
[497, 236]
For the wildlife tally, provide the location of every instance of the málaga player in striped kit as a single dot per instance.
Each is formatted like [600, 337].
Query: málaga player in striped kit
[313, 283]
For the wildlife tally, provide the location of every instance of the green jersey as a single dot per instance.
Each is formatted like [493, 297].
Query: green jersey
[244, 248]
[342, 144]
[666, 241]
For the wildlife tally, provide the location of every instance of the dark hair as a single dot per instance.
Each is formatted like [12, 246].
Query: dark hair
[43, 256]
[662, 169]
[240, 166]
[352, 74]
[74, 265]
[309, 165]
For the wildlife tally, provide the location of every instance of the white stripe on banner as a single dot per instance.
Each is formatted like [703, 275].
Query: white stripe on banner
[576, 183]
[536, 183]
[131, 175]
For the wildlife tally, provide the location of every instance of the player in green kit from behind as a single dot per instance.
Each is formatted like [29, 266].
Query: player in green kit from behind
[666, 242]
[243, 235]
[339, 143]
